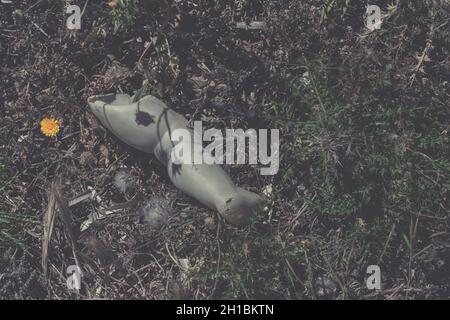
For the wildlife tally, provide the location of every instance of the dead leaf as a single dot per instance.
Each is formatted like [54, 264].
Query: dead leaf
[48, 222]
[104, 156]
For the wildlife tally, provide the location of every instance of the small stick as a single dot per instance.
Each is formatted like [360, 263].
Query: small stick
[254, 25]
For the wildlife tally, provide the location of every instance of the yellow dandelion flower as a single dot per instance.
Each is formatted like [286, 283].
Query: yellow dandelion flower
[49, 127]
[112, 4]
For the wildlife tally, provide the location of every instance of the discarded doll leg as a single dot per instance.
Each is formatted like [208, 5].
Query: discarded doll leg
[148, 125]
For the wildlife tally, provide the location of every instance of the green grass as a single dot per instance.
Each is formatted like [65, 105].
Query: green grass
[11, 223]
[254, 266]
[124, 14]
[376, 166]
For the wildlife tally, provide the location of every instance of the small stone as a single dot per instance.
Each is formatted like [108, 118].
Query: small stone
[210, 224]
[17, 16]
[325, 286]
[87, 158]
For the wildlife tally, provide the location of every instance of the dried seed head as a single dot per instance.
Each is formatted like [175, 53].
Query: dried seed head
[155, 212]
[124, 182]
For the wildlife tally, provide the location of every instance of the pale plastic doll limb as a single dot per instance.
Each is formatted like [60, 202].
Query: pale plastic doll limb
[147, 125]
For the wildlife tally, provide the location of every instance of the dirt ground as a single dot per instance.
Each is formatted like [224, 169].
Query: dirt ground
[311, 243]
